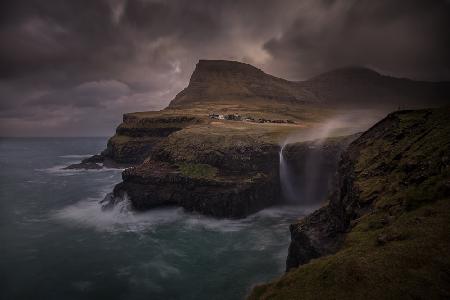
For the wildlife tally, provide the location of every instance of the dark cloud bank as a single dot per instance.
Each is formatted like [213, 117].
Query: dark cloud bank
[71, 68]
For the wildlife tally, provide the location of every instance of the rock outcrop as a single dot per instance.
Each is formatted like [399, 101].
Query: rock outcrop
[223, 176]
[135, 138]
[139, 133]
[385, 232]
[197, 187]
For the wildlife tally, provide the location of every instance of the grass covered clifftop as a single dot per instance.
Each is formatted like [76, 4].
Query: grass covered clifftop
[189, 129]
[392, 210]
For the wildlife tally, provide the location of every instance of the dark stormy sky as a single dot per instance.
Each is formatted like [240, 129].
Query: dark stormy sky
[72, 68]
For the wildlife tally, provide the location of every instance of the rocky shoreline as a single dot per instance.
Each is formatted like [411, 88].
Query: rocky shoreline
[234, 190]
[231, 182]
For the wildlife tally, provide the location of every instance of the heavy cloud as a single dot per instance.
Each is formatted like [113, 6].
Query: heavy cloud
[74, 67]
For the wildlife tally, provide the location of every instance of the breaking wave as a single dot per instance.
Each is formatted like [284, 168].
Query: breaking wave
[76, 155]
[122, 218]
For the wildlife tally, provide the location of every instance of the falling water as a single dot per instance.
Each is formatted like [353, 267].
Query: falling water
[287, 186]
[310, 185]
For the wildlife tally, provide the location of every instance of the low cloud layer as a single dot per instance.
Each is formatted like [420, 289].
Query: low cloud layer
[72, 68]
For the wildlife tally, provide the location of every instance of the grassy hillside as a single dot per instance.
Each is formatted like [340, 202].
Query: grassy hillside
[398, 240]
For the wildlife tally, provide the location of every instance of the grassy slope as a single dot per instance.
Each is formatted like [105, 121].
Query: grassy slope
[402, 249]
[197, 170]
[217, 135]
[222, 134]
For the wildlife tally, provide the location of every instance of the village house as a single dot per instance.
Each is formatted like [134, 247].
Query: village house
[216, 116]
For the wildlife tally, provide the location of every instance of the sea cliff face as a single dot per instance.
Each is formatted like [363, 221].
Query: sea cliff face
[136, 136]
[385, 232]
[229, 179]
[213, 174]
[197, 187]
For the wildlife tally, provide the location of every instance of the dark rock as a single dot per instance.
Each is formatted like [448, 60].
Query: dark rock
[156, 183]
[97, 158]
[316, 235]
[84, 166]
[301, 250]
[97, 162]
[109, 201]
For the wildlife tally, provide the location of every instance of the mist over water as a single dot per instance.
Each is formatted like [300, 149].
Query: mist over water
[57, 243]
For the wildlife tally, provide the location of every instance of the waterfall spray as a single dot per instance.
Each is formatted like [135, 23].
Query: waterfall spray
[287, 186]
[306, 186]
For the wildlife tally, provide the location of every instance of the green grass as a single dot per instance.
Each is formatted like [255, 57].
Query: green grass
[412, 264]
[197, 170]
[401, 250]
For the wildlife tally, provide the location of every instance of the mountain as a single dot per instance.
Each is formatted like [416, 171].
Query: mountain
[358, 86]
[219, 81]
[231, 81]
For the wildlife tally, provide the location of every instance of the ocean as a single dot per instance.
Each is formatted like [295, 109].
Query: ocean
[57, 243]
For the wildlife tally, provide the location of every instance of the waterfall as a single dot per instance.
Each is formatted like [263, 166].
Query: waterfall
[307, 183]
[287, 187]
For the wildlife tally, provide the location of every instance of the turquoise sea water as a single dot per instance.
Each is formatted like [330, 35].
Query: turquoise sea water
[56, 242]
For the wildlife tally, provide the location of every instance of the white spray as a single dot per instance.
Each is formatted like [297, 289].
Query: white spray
[298, 193]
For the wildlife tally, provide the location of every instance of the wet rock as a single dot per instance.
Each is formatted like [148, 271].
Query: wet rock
[109, 201]
[156, 183]
[84, 166]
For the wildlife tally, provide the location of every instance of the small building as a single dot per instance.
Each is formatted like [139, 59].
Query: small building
[216, 116]
[233, 117]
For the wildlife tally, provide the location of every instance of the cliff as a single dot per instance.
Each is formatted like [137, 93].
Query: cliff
[385, 232]
[214, 174]
[228, 176]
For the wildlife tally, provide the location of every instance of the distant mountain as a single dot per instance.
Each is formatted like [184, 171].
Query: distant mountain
[230, 81]
[365, 87]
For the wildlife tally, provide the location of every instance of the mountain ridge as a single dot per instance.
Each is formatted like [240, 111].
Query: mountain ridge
[222, 80]
[218, 81]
